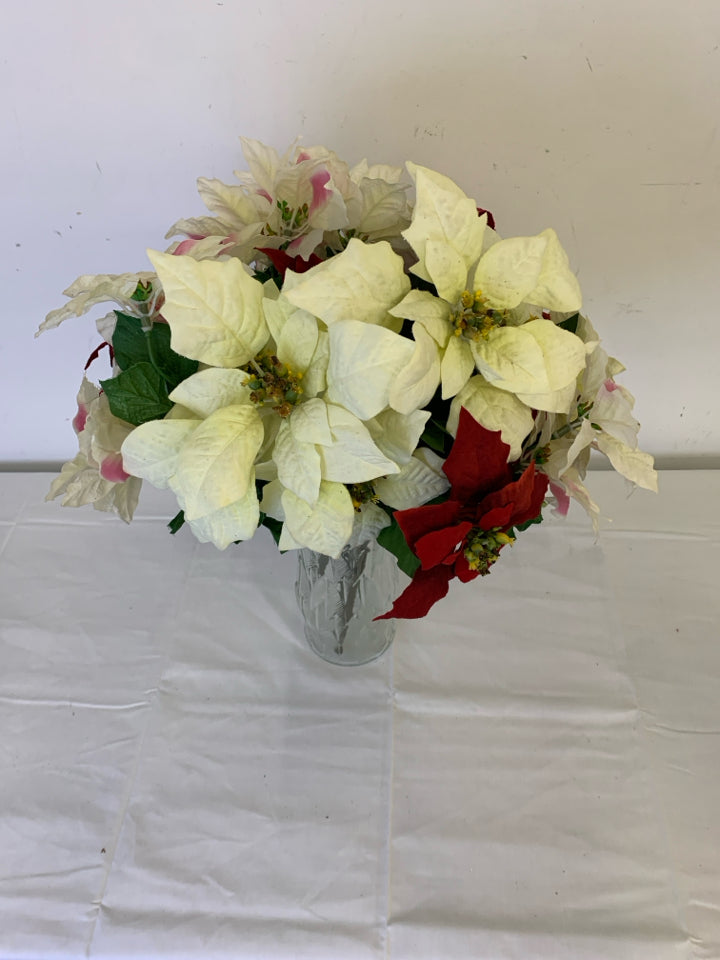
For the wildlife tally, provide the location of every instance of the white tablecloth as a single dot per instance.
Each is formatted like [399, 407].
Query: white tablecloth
[532, 772]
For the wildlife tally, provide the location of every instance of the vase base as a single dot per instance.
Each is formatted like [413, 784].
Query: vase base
[354, 651]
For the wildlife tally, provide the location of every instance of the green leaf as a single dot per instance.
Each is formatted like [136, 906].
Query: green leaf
[435, 437]
[128, 341]
[132, 344]
[269, 273]
[138, 394]
[528, 523]
[393, 539]
[571, 324]
[177, 521]
[174, 367]
[142, 291]
[274, 526]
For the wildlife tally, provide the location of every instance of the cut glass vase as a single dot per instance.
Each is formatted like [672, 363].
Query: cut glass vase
[339, 598]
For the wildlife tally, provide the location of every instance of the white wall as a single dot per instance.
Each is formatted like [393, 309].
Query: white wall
[598, 118]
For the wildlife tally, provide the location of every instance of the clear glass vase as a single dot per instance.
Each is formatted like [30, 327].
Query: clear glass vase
[339, 599]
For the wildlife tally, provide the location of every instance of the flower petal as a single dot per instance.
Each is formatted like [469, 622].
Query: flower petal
[353, 456]
[634, 465]
[298, 464]
[214, 309]
[237, 521]
[364, 362]
[152, 449]
[397, 434]
[413, 486]
[208, 390]
[456, 366]
[477, 461]
[422, 520]
[433, 313]
[515, 503]
[510, 270]
[557, 287]
[495, 410]
[447, 269]
[418, 380]
[309, 422]
[328, 525]
[362, 283]
[442, 213]
[214, 467]
[424, 590]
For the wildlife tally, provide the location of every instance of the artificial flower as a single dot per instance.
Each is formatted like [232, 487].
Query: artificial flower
[484, 287]
[463, 536]
[294, 203]
[96, 474]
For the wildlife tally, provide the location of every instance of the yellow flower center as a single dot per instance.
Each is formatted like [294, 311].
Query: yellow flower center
[272, 382]
[361, 493]
[482, 548]
[473, 319]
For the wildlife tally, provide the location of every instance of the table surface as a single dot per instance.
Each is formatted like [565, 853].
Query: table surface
[532, 771]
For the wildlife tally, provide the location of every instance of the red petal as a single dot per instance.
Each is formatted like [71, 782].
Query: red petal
[435, 546]
[524, 496]
[540, 484]
[497, 517]
[282, 261]
[490, 217]
[96, 353]
[418, 521]
[478, 460]
[425, 589]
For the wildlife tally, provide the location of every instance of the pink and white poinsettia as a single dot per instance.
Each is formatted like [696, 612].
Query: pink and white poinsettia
[600, 418]
[96, 475]
[294, 202]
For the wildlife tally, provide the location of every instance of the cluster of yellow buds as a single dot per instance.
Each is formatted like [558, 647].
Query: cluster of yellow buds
[273, 382]
[473, 318]
[361, 493]
[482, 548]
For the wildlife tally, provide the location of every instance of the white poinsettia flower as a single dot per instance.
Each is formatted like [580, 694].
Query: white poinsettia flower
[275, 413]
[322, 443]
[480, 283]
[207, 462]
[96, 475]
[371, 366]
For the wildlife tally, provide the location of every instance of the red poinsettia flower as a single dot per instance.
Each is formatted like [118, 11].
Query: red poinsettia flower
[463, 536]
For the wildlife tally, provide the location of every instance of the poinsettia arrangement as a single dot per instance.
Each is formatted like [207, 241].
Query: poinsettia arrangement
[342, 354]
